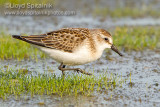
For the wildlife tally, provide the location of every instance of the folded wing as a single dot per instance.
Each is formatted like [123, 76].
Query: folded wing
[65, 39]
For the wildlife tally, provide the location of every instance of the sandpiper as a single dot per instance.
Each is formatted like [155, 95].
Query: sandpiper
[72, 46]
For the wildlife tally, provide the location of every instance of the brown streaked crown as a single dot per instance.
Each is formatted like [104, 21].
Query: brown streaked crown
[104, 32]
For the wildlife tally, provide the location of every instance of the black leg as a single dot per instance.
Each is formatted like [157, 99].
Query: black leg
[62, 67]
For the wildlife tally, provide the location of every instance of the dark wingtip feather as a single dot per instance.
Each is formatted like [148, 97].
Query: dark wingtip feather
[26, 39]
[17, 37]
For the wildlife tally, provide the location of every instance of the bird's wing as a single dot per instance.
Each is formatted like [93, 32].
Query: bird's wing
[65, 39]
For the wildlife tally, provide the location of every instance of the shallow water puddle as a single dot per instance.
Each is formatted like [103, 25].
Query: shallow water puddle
[141, 69]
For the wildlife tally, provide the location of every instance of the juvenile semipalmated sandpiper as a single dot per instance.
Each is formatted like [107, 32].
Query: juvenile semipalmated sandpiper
[72, 46]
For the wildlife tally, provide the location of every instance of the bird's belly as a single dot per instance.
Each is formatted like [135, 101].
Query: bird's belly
[76, 58]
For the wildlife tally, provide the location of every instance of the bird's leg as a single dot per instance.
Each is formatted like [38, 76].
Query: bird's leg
[74, 69]
[62, 67]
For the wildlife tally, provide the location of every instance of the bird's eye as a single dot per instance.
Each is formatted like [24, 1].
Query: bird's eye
[106, 39]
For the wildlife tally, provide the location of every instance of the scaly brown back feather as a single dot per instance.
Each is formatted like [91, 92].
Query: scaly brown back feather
[65, 39]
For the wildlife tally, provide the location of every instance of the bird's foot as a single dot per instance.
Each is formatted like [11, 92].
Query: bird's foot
[62, 68]
[82, 71]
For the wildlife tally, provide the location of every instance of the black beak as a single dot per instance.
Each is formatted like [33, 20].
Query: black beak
[116, 50]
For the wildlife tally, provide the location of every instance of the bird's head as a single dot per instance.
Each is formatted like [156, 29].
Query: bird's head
[106, 40]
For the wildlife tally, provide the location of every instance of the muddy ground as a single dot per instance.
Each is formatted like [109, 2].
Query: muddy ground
[143, 90]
